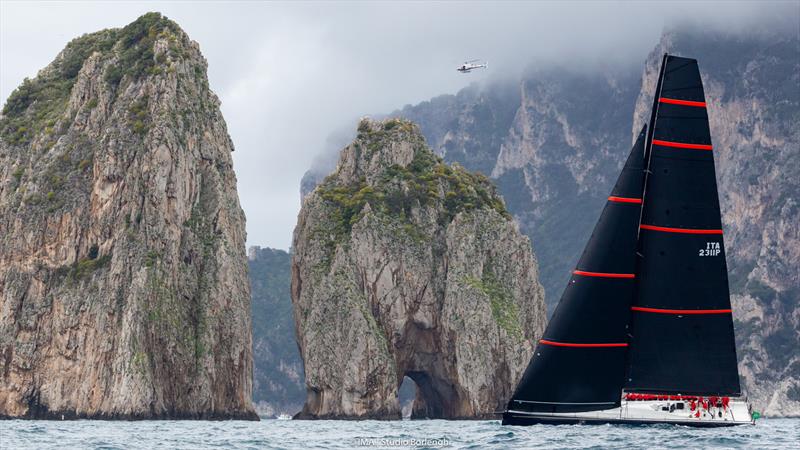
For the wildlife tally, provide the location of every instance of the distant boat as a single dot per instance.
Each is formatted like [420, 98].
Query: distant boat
[284, 416]
[643, 333]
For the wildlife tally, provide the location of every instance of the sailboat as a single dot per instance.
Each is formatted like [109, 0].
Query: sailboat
[643, 332]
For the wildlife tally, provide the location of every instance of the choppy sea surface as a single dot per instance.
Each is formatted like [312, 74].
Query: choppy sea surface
[290, 434]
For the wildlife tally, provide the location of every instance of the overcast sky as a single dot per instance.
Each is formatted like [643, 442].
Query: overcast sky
[290, 74]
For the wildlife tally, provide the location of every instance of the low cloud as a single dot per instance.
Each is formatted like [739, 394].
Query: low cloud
[291, 74]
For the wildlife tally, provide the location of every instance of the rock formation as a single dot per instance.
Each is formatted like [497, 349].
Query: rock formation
[404, 265]
[123, 277]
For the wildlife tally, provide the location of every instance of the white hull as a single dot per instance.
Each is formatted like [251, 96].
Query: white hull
[646, 411]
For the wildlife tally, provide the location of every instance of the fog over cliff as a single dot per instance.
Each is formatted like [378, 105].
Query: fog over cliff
[290, 75]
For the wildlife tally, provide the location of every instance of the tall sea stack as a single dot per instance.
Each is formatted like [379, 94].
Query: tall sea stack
[123, 275]
[406, 266]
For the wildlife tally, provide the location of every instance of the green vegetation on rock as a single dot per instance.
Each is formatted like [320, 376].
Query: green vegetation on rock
[138, 116]
[426, 181]
[38, 104]
[84, 267]
[17, 174]
[136, 57]
[504, 310]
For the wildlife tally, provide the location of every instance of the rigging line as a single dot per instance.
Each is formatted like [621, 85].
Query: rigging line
[648, 144]
[648, 156]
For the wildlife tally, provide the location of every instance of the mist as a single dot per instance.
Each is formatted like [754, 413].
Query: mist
[291, 75]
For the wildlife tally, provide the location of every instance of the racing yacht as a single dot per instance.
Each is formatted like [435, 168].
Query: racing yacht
[643, 332]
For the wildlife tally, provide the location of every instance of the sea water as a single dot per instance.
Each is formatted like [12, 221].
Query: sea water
[369, 434]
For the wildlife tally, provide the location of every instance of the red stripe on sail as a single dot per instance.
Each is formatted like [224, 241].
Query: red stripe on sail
[681, 145]
[681, 311]
[569, 344]
[679, 230]
[603, 275]
[674, 101]
[624, 199]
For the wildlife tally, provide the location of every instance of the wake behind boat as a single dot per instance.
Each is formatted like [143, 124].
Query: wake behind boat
[643, 333]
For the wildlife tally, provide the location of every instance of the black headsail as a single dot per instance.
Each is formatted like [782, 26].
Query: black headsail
[579, 365]
[682, 328]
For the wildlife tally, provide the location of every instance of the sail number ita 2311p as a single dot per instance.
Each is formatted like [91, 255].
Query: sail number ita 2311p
[712, 249]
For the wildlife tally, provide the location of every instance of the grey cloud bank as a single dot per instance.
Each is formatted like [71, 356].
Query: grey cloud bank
[290, 74]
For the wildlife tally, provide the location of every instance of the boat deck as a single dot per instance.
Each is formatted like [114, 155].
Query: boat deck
[643, 412]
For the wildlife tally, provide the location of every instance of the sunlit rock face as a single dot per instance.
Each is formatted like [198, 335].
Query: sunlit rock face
[123, 274]
[406, 266]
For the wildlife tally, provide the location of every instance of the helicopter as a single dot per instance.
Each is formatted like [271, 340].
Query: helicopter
[471, 65]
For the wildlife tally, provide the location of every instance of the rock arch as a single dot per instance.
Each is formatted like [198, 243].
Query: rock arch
[389, 281]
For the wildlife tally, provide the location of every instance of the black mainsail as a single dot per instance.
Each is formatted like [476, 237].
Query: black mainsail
[682, 325]
[579, 363]
[647, 308]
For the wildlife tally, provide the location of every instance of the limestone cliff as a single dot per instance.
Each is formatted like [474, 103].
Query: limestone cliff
[404, 265]
[123, 275]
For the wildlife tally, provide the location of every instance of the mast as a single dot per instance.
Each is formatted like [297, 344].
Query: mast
[579, 364]
[681, 322]
[648, 145]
